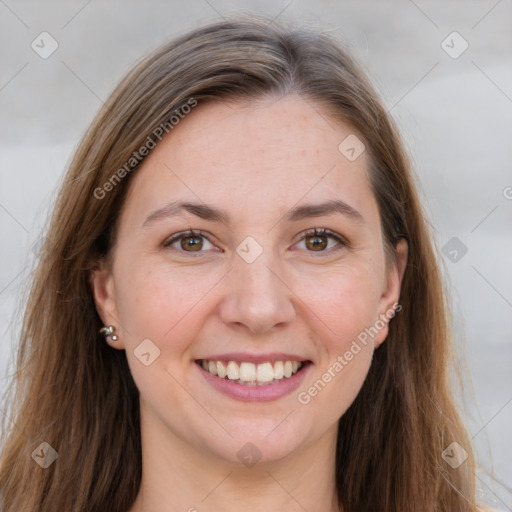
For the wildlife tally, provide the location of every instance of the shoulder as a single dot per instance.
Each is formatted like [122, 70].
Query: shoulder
[483, 508]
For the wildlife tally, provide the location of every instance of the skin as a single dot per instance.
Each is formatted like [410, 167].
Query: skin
[256, 160]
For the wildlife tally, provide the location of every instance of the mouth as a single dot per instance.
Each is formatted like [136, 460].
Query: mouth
[251, 374]
[254, 382]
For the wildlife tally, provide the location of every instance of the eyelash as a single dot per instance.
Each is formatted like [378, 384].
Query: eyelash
[307, 234]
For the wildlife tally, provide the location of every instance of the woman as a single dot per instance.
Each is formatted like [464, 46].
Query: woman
[238, 303]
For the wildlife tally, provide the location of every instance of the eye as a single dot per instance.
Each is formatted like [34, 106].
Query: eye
[315, 240]
[189, 241]
[323, 240]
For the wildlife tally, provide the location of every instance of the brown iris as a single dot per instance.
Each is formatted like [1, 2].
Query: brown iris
[316, 242]
[192, 243]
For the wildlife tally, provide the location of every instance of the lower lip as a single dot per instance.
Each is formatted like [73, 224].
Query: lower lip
[266, 393]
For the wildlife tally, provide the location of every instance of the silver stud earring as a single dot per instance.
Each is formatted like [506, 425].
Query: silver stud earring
[109, 331]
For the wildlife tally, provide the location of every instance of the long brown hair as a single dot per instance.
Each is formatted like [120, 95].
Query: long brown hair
[76, 393]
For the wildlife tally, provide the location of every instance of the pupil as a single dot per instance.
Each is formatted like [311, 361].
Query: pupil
[191, 242]
[318, 242]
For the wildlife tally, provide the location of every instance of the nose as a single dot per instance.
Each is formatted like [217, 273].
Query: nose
[257, 297]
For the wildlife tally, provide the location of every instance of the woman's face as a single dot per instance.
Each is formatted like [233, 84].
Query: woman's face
[253, 284]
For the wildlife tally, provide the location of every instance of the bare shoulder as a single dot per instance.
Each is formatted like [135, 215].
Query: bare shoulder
[484, 508]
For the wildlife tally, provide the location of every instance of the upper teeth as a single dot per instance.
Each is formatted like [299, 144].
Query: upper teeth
[250, 373]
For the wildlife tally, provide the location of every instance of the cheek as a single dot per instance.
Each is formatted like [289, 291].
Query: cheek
[166, 306]
[160, 303]
[346, 304]
[347, 375]
[346, 301]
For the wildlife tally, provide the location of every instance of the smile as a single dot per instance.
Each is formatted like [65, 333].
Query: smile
[251, 374]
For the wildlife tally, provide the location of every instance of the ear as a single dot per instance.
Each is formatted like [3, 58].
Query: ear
[388, 302]
[102, 284]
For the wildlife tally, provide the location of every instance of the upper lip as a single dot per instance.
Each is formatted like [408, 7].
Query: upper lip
[255, 358]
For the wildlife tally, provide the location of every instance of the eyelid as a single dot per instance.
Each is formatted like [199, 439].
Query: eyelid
[184, 234]
[323, 232]
[342, 241]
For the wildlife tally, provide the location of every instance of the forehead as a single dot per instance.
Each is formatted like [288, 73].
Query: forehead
[254, 156]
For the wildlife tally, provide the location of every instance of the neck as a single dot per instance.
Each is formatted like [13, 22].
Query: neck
[179, 477]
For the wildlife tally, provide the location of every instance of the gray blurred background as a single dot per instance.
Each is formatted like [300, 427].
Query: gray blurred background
[444, 69]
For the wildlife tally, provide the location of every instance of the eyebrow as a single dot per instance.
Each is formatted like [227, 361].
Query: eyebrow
[203, 211]
[200, 210]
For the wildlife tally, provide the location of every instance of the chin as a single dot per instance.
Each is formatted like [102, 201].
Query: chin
[267, 440]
